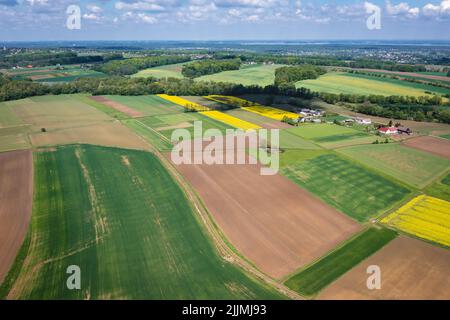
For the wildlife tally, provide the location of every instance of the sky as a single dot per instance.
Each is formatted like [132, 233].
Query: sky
[36, 20]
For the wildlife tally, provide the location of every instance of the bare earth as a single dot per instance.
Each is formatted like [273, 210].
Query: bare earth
[118, 106]
[437, 146]
[16, 196]
[269, 219]
[410, 269]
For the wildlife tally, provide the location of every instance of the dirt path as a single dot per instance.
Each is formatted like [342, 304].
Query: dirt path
[16, 198]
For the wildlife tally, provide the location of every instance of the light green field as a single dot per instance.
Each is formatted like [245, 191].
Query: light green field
[120, 217]
[446, 136]
[332, 136]
[349, 84]
[150, 135]
[440, 189]
[167, 71]
[252, 117]
[345, 185]
[51, 74]
[320, 274]
[262, 75]
[148, 105]
[414, 167]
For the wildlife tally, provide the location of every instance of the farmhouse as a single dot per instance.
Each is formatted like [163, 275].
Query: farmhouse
[388, 130]
[364, 121]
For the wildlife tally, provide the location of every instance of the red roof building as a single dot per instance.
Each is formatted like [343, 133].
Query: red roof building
[389, 130]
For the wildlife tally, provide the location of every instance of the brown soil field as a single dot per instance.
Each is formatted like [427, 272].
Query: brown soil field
[118, 106]
[111, 134]
[270, 220]
[410, 269]
[437, 146]
[16, 198]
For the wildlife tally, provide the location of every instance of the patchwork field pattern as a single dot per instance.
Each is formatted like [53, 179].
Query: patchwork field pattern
[230, 120]
[440, 189]
[261, 121]
[320, 274]
[345, 185]
[425, 217]
[52, 74]
[414, 167]
[411, 269]
[437, 146]
[183, 102]
[149, 105]
[111, 212]
[166, 71]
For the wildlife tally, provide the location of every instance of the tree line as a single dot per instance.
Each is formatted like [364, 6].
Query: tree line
[133, 65]
[210, 66]
[285, 75]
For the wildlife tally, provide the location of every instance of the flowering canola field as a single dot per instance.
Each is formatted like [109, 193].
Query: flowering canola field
[425, 217]
[230, 120]
[183, 102]
[269, 112]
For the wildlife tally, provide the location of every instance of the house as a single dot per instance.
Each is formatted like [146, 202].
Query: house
[364, 121]
[404, 130]
[388, 130]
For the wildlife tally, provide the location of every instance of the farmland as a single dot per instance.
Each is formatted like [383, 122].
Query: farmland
[352, 84]
[425, 217]
[345, 185]
[167, 71]
[411, 269]
[263, 75]
[131, 241]
[439, 147]
[54, 74]
[321, 273]
[440, 189]
[16, 190]
[280, 228]
[414, 167]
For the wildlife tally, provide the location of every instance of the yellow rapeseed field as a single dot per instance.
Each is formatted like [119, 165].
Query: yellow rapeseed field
[183, 102]
[425, 217]
[230, 120]
[269, 112]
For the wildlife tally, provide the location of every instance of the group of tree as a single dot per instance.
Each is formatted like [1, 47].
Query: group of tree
[292, 74]
[48, 58]
[133, 65]
[210, 66]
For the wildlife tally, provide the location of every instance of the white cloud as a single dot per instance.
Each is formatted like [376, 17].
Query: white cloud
[442, 9]
[91, 16]
[402, 9]
[139, 6]
[94, 9]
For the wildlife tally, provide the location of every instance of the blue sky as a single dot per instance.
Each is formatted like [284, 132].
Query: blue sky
[224, 20]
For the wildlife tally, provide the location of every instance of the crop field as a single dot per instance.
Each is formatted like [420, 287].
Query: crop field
[149, 105]
[262, 75]
[349, 84]
[64, 119]
[410, 269]
[261, 121]
[111, 212]
[437, 146]
[167, 71]
[332, 136]
[230, 120]
[425, 217]
[345, 185]
[414, 167]
[280, 227]
[314, 278]
[440, 189]
[446, 136]
[53, 74]
[16, 194]
[183, 102]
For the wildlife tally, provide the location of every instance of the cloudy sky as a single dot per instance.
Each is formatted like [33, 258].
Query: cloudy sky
[224, 19]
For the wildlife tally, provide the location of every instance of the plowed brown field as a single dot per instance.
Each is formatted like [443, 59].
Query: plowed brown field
[16, 196]
[118, 106]
[437, 146]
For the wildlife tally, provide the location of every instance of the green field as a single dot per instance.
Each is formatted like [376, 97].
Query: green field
[332, 136]
[320, 274]
[262, 75]
[152, 136]
[446, 136]
[440, 189]
[148, 105]
[414, 167]
[167, 71]
[120, 217]
[52, 74]
[345, 185]
[347, 83]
